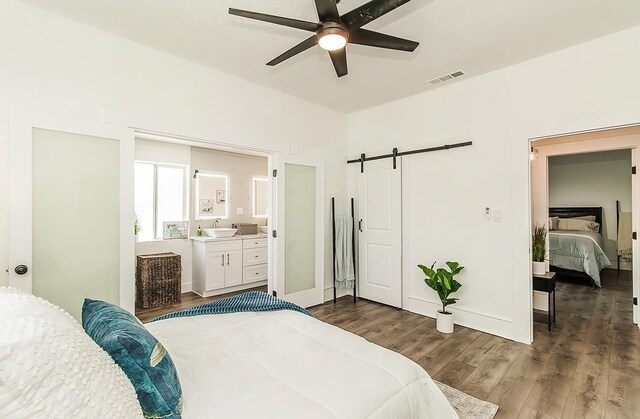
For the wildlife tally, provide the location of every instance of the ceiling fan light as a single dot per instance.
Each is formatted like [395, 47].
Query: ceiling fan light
[332, 38]
[332, 42]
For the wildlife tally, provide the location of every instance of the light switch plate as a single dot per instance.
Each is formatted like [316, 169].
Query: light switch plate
[239, 211]
[497, 215]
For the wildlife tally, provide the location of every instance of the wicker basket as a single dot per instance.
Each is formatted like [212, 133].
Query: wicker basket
[158, 280]
[246, 228]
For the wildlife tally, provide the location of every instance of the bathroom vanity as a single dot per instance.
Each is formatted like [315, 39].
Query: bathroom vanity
[226, 264]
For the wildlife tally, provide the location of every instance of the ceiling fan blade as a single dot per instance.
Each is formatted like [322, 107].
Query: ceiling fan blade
[369, 12]
[380, 40]
[327, 10]
[284, 21]
[303, 46]
[339, 59]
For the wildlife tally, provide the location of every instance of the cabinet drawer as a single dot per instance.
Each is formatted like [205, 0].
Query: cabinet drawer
[254, 243]
[254, 274]
[254, 257]
[223, 246]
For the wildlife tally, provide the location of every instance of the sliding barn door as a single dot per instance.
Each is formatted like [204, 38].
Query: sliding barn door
[380, 209]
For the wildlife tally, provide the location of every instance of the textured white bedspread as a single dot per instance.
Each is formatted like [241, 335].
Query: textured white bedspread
[285, 364]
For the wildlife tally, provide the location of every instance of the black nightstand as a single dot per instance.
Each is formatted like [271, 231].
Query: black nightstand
[547, 283]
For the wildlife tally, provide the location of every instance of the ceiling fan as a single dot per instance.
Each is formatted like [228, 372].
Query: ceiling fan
[333, 32]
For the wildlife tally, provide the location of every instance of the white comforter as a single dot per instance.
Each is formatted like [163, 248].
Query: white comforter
[285, 364]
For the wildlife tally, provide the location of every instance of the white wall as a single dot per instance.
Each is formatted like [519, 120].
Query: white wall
[52, 64]
[593, 180]
[584, 87]
[241, 169]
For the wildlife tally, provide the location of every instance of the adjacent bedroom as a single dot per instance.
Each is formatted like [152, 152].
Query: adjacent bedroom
[583, 195]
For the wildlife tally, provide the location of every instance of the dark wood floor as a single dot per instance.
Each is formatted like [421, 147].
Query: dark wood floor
[588, 366]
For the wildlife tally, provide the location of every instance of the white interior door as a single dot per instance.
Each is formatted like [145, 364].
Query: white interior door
[299, 226]
[635, 214]
[380, 248]
[71, 210]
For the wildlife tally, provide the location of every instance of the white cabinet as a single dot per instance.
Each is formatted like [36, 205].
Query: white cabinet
[221, 266]
[233, 270]
[215, 270]
[255, 260]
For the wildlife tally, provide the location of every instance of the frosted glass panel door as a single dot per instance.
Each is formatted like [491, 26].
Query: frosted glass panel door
[300, 230]
[71, 234]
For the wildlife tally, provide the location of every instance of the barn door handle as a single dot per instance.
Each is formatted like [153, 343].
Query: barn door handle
[360, 225]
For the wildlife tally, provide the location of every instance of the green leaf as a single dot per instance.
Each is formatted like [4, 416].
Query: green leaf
[449, 301]
[455, 286]
[457, 270]
[446, 279]
[427, 271]
[453, 265]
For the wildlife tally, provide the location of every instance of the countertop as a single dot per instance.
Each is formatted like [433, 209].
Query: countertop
[206, 239]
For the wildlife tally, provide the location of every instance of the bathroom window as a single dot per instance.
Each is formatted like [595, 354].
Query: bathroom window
[160, 195]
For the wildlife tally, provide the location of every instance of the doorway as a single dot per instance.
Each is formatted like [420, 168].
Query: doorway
[284, 254]
[573, 178]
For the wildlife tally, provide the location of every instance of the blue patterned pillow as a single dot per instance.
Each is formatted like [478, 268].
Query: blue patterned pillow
[142, 358]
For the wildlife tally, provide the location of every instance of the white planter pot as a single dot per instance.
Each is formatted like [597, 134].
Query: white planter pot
[444, 322]
[539, 268]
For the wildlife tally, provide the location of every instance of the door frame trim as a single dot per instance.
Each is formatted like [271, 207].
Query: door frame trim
[521, 199]
[21, 125]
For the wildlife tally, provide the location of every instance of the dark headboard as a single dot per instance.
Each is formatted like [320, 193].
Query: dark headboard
[570, 212]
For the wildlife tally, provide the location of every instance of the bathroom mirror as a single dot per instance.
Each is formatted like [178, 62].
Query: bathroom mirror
[260, 197]
[211, 196]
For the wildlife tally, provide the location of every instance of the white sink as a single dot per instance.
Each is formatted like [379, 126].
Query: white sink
[220, 232]
[264, 229]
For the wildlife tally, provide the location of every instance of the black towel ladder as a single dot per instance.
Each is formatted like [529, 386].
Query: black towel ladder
[353, 247]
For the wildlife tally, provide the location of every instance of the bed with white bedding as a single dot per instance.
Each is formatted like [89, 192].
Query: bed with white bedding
[578, 251]
[285, 364]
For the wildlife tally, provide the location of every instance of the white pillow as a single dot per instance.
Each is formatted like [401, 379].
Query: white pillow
[575, 224]
[49, 368]
[585, 217]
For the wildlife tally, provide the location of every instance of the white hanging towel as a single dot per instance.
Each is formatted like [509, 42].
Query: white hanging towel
[624, 236]
[344, 253]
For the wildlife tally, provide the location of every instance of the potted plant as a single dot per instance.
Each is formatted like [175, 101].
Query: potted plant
[539, 249]
[443, 283]
[136, 226]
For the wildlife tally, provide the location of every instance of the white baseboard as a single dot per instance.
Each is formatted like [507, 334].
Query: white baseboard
[187, 287]
[340, 292]
[479, 321]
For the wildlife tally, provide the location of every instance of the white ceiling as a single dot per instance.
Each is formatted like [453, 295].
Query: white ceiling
[470, 35]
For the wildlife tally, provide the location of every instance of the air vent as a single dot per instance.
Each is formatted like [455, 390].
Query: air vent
[446, 77]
